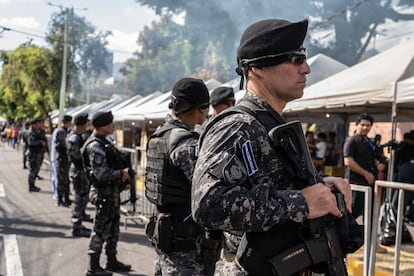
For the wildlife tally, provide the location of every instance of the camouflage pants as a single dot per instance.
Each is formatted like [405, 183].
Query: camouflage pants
[81, 189]
[106, 227]
[178, 263]
[226, 266]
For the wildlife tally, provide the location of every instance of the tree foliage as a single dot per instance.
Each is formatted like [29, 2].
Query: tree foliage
[86, 56]
[205, 44]
[26, 86]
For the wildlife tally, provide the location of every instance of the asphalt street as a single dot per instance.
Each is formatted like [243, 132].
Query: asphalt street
[36, 239]
[45, 245]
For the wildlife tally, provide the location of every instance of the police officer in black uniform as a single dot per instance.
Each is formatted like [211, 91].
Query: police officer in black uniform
[222, 98]
[171, 155]
[77, 174]
[36, 145]
[62, 162]
[103, 164]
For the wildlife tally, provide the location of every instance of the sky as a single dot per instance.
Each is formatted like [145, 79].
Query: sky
[125, 18]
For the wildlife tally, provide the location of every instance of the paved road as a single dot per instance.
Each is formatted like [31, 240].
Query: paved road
[43, 231]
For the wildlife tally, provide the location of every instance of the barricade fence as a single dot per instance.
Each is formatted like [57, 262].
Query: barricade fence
[367, 190]
[140, 210]
[401, 187]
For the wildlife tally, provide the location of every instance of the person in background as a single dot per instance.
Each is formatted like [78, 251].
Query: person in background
[321, 146]
[362, 163]
[333, 151]
[24, 134]
[42, 134]
[15, 136]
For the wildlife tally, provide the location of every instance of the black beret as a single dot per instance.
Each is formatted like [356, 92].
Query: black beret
[191, 91]
[270, 37]
[220, 94]
[102, 118]
[67, 118]
[81, 119]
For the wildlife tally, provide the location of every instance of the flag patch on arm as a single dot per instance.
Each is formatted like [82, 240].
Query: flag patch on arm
[248, 157]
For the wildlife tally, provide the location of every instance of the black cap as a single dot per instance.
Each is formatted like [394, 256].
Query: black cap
[220, 94]
[67, 118]
[189, 93]
[102, 118]
[81, 119]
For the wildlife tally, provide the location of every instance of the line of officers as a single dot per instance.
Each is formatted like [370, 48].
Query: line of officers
[88, 158]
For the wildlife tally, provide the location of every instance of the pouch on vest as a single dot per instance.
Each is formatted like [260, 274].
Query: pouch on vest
[163, 234]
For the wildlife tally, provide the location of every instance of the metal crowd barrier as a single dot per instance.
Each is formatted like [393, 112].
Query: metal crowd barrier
[367, 222]
[400, 216]
[141, 210]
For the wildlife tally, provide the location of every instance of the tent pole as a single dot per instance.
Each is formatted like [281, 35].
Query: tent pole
[390, 174]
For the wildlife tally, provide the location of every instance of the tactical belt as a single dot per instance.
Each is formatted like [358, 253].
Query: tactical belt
[185, 236]
[186, 230]
[183, 245]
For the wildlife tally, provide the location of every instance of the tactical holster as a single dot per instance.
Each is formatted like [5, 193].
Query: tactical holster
[171, 235]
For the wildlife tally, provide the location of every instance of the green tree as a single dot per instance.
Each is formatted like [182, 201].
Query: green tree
[211, 31]
[26, 86]
[87, 56]
[154, 68]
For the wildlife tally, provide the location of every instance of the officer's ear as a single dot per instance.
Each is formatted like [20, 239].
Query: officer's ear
[257, 71]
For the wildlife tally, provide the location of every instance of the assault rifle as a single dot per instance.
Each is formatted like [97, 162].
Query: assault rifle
[319, 245]
[126, 163]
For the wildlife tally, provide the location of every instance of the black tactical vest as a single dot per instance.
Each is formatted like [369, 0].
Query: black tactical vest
[165, 184]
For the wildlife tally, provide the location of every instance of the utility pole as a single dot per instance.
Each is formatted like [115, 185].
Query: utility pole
[62, 94]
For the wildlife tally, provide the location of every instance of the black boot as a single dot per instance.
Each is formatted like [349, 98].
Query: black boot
[59, 200]
[94, 268]
[85, 217]
[116, 266]
[81, 231]
[33, 188]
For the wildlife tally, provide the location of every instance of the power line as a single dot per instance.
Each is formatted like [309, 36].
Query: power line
[20, 32]
[4, 29]
[356, 5]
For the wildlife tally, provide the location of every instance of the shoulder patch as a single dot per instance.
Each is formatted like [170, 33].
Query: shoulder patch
[72, 139]
[196, 151]
[99, 156]
[248, 157]
[234, 171]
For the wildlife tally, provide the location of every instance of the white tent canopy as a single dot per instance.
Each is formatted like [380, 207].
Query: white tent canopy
[322, 67]
[369, 86]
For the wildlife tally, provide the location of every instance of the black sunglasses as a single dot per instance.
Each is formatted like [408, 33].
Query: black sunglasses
[297, 59]
[297, 56]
